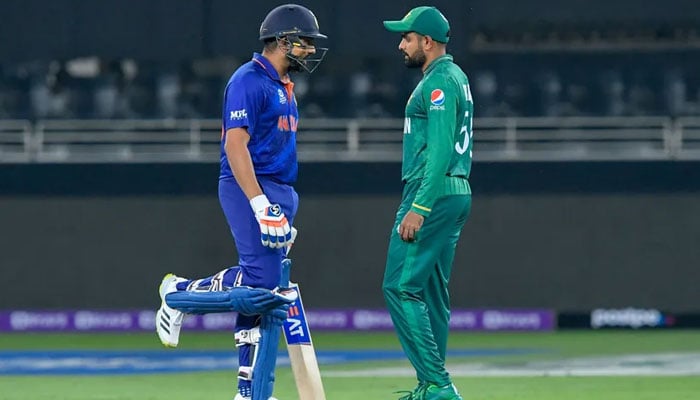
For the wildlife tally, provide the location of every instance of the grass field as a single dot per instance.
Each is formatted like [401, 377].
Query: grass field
[369, 380]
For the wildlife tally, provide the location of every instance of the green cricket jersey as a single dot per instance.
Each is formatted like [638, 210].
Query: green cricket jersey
[437, 140]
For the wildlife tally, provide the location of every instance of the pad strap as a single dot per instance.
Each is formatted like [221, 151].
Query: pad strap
[247, 336]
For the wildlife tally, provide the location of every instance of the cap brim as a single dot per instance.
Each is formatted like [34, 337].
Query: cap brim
[396, 26]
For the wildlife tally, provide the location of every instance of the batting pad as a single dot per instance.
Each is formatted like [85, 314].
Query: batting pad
[264, 368]
[242, 299]
[266, 359]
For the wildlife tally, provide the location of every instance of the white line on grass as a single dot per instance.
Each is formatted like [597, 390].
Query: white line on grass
[666, 364]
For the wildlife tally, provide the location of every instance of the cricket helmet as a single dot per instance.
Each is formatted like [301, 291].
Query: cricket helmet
[291, 23]
[290, 20]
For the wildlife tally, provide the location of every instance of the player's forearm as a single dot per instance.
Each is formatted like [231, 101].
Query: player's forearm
[438, 153]
[432, 182]
[245, 176]
[242, 166]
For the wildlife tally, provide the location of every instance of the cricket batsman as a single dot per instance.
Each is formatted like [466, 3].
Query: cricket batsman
[436, 200]
[258, 169]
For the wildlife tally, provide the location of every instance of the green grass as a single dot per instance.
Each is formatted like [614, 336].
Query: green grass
[219, 384]
[564, 342]
[211, 386]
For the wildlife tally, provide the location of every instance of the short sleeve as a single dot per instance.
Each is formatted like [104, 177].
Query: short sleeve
[243, 101]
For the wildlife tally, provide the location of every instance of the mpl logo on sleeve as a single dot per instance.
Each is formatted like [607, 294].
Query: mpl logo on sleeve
[239, 114]
[437, 100]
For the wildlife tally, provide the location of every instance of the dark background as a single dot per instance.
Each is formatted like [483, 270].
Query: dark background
[565, 235]
[557, 235]
[172, 58]
[176, 29]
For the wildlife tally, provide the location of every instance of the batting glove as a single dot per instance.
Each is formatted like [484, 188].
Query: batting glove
[274, 227]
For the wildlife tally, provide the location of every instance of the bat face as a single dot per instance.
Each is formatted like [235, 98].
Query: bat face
[296, 328]
[301, 352]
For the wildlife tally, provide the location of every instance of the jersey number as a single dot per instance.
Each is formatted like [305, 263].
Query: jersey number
[462, 147]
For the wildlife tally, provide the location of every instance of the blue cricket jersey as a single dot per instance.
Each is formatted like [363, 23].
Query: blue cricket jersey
[256, 98]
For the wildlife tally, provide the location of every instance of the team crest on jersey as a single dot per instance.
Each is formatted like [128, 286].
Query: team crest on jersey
[283, 98]
[437, 99]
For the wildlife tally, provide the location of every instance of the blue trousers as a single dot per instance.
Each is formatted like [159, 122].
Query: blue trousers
[261, 266]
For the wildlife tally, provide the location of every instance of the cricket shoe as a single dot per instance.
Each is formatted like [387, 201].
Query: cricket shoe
[435, 392]
[406, 395]
[169, 320]
[241, 397]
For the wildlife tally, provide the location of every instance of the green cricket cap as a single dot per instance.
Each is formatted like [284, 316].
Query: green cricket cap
[427, 21]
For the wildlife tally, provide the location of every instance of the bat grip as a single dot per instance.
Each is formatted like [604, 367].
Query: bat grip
[287, 263]
[284, 278]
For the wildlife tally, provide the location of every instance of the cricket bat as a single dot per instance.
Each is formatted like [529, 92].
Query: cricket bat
[302, 355]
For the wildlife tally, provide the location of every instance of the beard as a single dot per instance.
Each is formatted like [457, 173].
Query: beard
[295, 64]
[417, 61]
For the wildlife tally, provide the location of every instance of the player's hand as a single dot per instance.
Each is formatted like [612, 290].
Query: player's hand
[274, 227]
[409, 226]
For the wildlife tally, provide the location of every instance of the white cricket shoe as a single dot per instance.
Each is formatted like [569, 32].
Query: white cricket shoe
[169, 320]
[241, 397]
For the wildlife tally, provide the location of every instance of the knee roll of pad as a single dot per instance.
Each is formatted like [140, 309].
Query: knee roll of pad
[199, 302]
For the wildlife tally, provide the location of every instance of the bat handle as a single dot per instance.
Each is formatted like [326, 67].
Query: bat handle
[287, 263]
[284, 278]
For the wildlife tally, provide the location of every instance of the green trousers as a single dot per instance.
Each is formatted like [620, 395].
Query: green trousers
[416, 279]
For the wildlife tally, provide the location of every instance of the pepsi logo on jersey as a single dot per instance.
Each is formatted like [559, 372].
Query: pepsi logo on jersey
[437, 100]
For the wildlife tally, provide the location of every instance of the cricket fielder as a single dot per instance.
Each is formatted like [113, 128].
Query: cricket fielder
[258, 169]
[437, 156]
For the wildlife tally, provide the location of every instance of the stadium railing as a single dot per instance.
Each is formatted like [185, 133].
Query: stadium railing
[357, 140]
[16, 140]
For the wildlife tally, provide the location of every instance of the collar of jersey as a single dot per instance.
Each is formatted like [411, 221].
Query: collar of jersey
[441, 59]
[267, 66]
